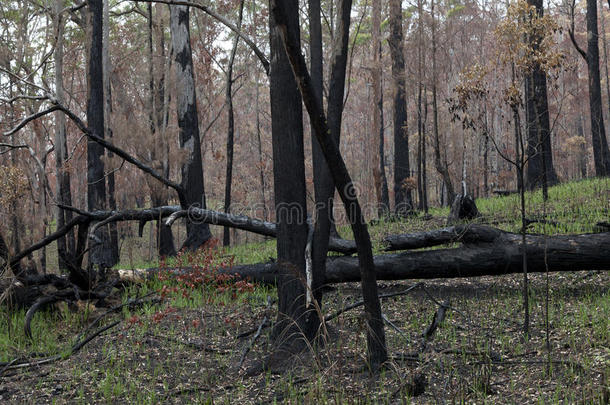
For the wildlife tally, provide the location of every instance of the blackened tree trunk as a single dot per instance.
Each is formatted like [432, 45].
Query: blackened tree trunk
[290, 199]
[188, 123]
[440, 164]
[601, 155]
[114, 236]
[323, 186]
[403, 200]
[385, 194]
[287, 24]
[226, 240]
[66, 244]
[540, 171]
[381, 186]
[100, 254]
[158, 124]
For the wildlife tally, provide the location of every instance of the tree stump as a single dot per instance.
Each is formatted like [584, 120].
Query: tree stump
[463, 208]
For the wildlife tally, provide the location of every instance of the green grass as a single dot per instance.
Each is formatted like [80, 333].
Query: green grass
[145, 361]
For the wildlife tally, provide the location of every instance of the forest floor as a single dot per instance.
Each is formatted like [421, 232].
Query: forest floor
[183, 344]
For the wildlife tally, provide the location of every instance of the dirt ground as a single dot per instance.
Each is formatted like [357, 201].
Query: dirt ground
[477, 355]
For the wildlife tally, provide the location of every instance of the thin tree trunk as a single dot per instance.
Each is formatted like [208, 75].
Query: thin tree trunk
[158, 112]
[188, 123]
[114, 237]
[377, 130]
[289, 186]
[100, 254]
[289, 29]
[605, 47]
[403, 201]
[540, 171]
[226, 240]
[441, 167]
[65, 245]
[600, 145]
[323, 186]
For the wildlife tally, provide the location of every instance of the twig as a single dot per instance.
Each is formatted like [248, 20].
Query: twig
[256, 336]
[361, 303]
[396, 328]
[439, 317]
[260, 328]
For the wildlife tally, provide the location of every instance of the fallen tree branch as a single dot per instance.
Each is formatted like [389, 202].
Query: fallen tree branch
[437, 320]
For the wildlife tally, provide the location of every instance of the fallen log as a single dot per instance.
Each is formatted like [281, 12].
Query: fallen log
[491, 256]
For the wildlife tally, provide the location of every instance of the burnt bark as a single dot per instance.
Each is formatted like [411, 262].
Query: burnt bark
[540, 171]
[289, 187]
[101, 254]
[403, 200]
[289, 31]
[486, 252]
[440, 164]
[226, 238]
[66, 244]
[188, 123]
[601, 155]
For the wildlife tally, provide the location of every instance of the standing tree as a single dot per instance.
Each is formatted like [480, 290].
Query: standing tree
[226, 240]
[158, 124]
[540, 171]
[440, 164]
[601, 155]
[188, 123]
[381, 183]
[66, 244]
[289, 187]
[403, 200]
[101, 254]
[323, 183]
[287, 28]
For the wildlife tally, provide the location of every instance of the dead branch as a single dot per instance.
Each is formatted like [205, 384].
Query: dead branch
[259, 54]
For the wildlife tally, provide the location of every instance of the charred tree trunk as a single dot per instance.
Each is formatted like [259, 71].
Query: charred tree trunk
[66, 244]
[403, 200]
[158, 123]
[100, 255]
[188, 123]
[323, 185]
[289, 186]
[441, 166]
[601, 154]
[381, 186]
[289, 31]
[226, 239]
[114, 236]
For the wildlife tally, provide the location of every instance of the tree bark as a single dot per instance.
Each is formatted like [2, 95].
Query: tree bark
[601, 155]
[487, 252]
[289, 187]
[377, 130]
[158, 124]
[226, 238]
[100, 255]
[441, 166]
[403, 200]
[114, 236]
[188, 123]
[323, 186]
[289, 30]
[66, 244]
